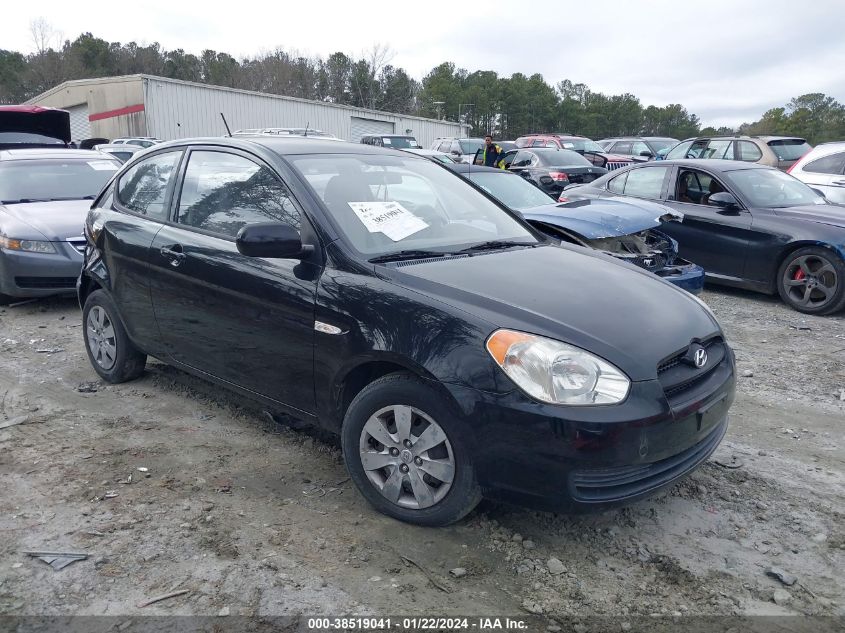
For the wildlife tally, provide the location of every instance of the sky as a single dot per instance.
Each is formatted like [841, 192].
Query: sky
[726, 61]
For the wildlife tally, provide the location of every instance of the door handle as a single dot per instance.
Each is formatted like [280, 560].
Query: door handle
[173, 254]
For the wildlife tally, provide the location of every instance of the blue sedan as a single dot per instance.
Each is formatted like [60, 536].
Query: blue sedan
[626, 230]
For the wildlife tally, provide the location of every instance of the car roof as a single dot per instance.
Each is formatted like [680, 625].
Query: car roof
[285, 145]
[47, 153]
[713, 164]
[119, 146]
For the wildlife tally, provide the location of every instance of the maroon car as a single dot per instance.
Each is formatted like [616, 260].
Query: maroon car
[589, 149]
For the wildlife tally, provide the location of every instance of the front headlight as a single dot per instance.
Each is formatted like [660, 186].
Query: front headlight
[30, 246]
[557, 373]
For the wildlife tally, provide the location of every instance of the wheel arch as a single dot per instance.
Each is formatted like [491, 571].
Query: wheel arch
[357, 375]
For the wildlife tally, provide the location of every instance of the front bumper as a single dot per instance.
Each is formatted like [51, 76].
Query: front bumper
[684, 274]
[25, 275]
[580, 459]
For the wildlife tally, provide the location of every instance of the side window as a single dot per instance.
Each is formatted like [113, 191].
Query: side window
[535, 160]
[538, 142]
[223, 192]
[679, 151]
[833, 164]
[718, 149]
[617, 185]
[622, 147]
[697, 187]
[143, 188]
[696, 150]
[509, 159]
[445, 146]
[522, 159]
[646, 182]
[456, 147]
[551, 144]
[638, 147]
[748, 151]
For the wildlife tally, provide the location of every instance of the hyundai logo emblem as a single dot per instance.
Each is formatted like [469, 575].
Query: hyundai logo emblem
[700, 357]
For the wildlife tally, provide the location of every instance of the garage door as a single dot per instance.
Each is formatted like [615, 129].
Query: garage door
[80, 127]
[361, 127]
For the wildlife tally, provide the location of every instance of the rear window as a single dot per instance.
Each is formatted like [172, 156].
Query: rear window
[790, 148]
[471, 147]
[564, 158]
[400, 142]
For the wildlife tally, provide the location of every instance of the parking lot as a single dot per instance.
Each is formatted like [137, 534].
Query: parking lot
[170, 485]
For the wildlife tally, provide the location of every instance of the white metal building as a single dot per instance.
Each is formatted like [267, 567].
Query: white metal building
[144, 105]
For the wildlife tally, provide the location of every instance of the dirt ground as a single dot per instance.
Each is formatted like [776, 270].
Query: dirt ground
[170, 485]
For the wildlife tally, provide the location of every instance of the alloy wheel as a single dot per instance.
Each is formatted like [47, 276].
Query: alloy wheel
[810, 281]
[101, 338]
[407, 456]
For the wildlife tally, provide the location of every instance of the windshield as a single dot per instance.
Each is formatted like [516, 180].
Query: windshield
[790, 148]
[386, 204]
[511, 190]
[73, 179]
[400, 142]
[773, 188]
[581, 145]
[471, 147]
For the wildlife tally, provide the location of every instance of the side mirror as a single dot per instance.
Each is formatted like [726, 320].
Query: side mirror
[724, 200]
[271, 239]
[646, 154]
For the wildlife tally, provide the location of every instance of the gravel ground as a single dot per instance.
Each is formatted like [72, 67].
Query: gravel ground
[170, 485]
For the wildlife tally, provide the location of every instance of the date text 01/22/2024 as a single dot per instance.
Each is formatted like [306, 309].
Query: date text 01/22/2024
[417, 624]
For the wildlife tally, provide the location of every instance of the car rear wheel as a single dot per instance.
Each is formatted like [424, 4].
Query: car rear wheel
[812, 280]
[112, 354]
[405, 453]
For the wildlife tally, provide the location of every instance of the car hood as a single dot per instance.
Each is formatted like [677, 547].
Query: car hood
[55, 221]
[599, 218]
[832, 214]
[50, 122]
[624, 314]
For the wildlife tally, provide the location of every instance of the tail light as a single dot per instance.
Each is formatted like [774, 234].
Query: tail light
[559, 176]
[563, 198]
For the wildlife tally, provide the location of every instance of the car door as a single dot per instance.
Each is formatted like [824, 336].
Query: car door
[246, 320]
[714, 238]
[827, 174]
[129, 217]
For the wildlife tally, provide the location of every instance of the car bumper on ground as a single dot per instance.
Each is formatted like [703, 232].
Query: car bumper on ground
[581, 459]
[684, 274]
[25, 275]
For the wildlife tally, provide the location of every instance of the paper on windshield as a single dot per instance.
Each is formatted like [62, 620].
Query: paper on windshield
[102, 165]
[390, 218]
[386, 141]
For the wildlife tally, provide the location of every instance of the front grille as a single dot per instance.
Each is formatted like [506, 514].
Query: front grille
[612, 164]
[615, 484]
[60, 283]
[676, 375]
[649, 262]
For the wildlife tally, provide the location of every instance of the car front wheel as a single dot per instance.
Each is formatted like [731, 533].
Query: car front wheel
[405, 453]
[112, 354]
[812, 280]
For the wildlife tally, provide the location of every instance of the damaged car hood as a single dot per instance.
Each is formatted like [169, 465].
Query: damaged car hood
[600, 218]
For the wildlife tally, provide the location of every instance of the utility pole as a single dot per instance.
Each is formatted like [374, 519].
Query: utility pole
[461, 105]
[439, 105]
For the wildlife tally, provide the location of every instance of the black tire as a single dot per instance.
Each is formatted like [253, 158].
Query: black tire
[812, 280]
[6, 299]
[127, 361]
[406, 391]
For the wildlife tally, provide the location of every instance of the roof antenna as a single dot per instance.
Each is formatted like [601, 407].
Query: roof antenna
[228, 131]
[306, 128]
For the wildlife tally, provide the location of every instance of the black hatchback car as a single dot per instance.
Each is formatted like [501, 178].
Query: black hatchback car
[387, 299]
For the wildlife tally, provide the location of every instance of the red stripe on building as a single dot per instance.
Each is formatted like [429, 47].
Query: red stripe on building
[113, 113]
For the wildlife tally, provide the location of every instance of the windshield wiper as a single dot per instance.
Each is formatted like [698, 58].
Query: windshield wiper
[494, 245]
[24, 200]
[399, 256]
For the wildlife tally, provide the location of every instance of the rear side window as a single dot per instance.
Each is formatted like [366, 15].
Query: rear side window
[522, 159]
[622, 147]
[646, 182]
[143, 188]
[617, 185]
[789, 148]
[748, 151]
[833, 164]
[679, 151]
[223, 192]
[718, 149]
